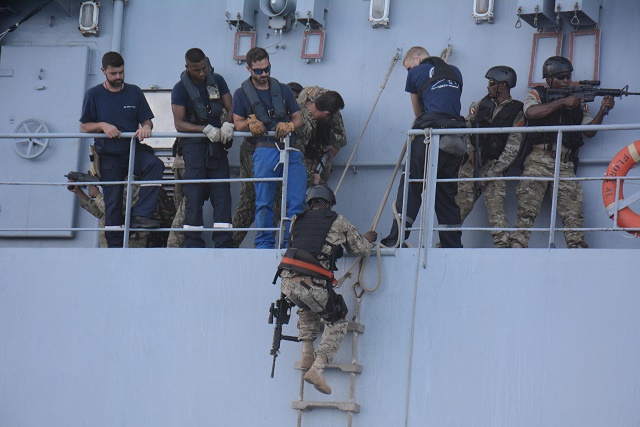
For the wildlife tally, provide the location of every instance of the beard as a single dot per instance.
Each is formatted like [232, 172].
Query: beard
[116, 83]
[261, 79]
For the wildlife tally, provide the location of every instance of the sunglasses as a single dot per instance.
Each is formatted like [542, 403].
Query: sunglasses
[492, 82]
[259, 71]
[563, 76]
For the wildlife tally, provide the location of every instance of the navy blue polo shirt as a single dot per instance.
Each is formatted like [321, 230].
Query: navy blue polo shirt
[179, 96]
[125, 110]
[442, 96]
[242, 107]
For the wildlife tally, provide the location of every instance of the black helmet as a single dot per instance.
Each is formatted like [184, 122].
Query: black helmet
[556, 65]
[502, 73]
[295, 87]
[321, 192]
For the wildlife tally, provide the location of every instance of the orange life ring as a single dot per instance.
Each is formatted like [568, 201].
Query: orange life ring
[627, 158]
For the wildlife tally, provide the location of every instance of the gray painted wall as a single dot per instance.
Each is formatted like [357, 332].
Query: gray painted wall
[122, 337]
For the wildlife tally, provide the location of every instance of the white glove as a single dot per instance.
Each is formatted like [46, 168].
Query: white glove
[212, 133]
[226, 132]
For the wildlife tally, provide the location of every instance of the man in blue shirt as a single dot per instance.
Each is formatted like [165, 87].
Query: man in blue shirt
[113, 107]
[263, 104]
[197, 101]
[435, 89]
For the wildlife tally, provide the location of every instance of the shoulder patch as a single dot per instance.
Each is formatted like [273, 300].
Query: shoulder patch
[535, 94]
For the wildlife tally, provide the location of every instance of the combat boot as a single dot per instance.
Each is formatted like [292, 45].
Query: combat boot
[391, 241]
[308, 355]
[315, 375]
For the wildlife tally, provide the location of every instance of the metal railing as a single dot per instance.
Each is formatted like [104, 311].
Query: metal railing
[284, 160]
[432, 139]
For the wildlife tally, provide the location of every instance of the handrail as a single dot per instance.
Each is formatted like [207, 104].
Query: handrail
[432, 139]
[284, 157]
[430, 177]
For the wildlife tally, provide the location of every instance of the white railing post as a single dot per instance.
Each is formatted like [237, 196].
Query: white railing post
[283, 200]
[432, 175]
[554, 197]
[405, 192]
[127, 208]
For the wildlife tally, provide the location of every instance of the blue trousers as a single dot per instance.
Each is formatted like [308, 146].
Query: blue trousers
[114, 168]
[200, 165]
[265, 160]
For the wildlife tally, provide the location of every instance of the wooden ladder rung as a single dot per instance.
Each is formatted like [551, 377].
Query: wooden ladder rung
[304, 405]
[344, 367]
[355, 327]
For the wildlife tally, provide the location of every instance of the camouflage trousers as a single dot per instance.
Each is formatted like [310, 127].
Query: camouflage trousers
[530, 194]
[137, 239]
[311, 165]
[494, 194]
[245, 212]
[312, 300]
[176, 238]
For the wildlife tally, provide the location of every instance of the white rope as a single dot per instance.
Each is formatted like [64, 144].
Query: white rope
[374, 224]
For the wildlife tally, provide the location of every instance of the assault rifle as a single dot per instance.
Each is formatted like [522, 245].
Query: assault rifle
[81, 177]
[281, 311]
[587, 90]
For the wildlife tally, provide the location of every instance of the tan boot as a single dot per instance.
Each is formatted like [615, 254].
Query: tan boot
[308, 355]
[315, 375]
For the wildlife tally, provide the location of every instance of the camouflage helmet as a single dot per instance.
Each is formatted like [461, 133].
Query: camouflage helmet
[502, 73]
[556, 65]
[321, 192]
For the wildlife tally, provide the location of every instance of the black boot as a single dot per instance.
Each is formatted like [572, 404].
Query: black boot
[143, 222]
[391, 241]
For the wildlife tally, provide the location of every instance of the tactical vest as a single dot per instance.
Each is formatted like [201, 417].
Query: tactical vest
[278, 113]
[492, 145]
[201, 112]
[309, 233]
[563, 116]
[441, 71]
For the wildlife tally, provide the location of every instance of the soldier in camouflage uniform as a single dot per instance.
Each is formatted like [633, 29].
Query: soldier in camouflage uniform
[497, 151]
[322, 134]
[317, 236]
[542, 111]
[94, 204]
[176, 238]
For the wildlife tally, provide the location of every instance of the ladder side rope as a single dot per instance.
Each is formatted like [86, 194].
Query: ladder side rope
[354, 359]
[301, 394]
[395, 59]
